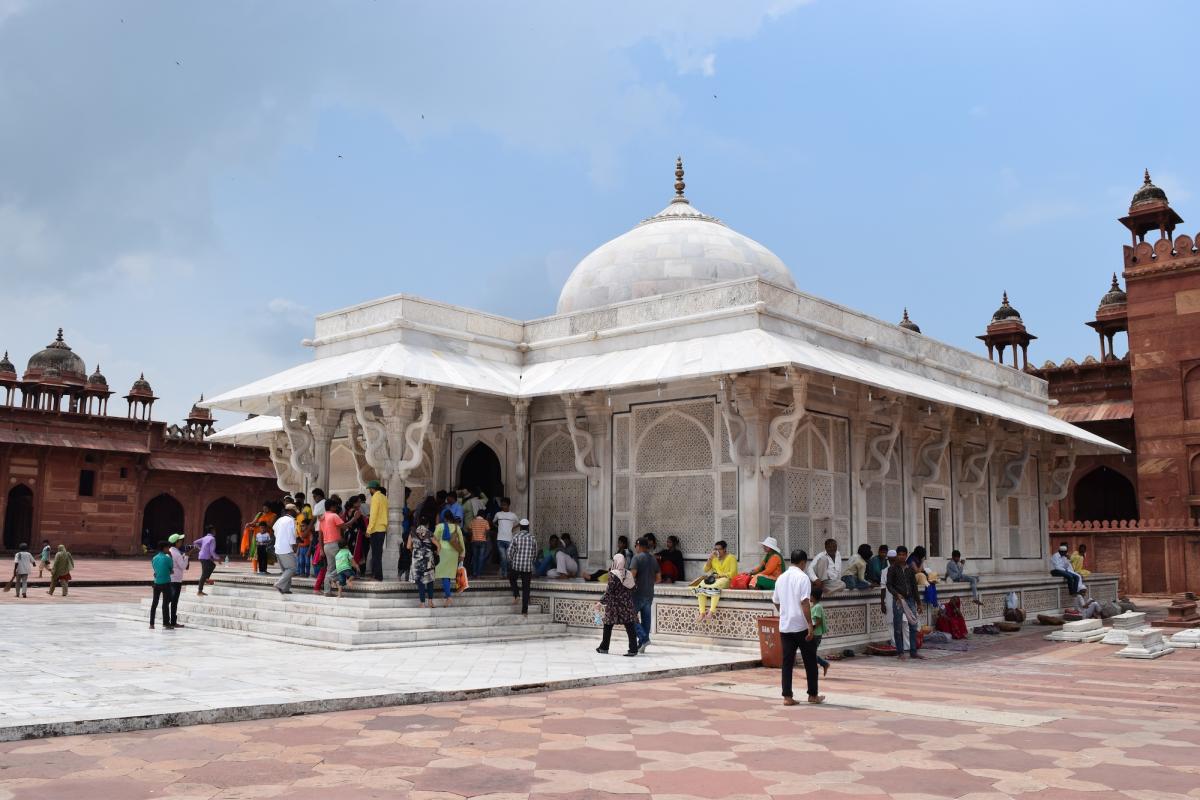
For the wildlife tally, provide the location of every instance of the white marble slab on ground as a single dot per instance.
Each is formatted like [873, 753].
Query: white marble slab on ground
[69, 664]
[892, 705]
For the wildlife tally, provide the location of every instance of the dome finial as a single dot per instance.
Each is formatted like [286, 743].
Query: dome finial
[1115, 285]
[1147, 178]
[59, 338]
[1004, 302]
[679, 184]
[905, 317]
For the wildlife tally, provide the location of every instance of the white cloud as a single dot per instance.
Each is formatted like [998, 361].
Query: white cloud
[281, 305]
[1038, 212]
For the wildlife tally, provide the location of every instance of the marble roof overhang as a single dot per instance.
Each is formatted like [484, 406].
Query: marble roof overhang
[732, 352]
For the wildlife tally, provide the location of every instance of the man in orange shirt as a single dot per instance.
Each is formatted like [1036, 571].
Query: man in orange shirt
[481, 548]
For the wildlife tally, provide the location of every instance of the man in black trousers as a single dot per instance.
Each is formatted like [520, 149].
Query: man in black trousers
[793, 600]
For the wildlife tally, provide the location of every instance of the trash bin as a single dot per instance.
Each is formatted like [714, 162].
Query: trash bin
[769, 645]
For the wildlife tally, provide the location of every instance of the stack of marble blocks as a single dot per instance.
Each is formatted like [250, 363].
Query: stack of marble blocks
[1084, 630]
[1139, 640]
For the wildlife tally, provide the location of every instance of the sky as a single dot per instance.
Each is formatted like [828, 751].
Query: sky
[183, 186]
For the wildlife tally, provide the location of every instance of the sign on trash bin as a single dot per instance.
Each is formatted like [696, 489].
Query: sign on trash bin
[769, 645]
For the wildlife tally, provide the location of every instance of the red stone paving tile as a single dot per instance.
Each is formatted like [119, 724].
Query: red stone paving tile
[791, 761]
[474, 780]
[409, 724]
[91, 789]
[588, 760]
[586, 794]
[703, 783]
[948, 783]
[325, 793]
[584, 726]
[1167, 756]
[392, 755]
[764, 726]
[260, 771]
[1120, 778]
[39, 765]
[682, 742]
[1011, 760]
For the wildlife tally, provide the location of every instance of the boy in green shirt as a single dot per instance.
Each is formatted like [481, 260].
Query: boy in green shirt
[819, 627]
[344, 566]
[163, 566]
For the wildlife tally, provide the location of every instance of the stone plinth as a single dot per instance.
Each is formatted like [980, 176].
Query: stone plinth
[1188, 639]
[1145, 643]
[1182, 612]
[1084, 630]
[1122, 625]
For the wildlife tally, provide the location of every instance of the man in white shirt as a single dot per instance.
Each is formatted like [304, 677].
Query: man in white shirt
[826, 569]
[318, 505]
[1060, 566]
[285, 547]
[504, 521]
[793, 599]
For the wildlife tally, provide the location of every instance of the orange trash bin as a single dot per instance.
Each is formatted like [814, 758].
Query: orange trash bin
[770, 647]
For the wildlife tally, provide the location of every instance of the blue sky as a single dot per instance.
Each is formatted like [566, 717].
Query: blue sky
[182, 186]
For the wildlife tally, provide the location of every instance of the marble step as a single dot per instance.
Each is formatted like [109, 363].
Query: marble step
[332, 607]
[347, 600]
[437, 618]
[307, 634]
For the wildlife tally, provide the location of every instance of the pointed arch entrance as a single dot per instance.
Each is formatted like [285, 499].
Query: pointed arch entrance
[162, 516]
[480, 469]
[224, 515]
[1105, 494]
[18, 517]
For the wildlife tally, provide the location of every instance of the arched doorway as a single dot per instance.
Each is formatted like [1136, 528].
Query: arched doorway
[224, 515]
[162, 517]
[480, 469]
[18, 517]
[1105, 494]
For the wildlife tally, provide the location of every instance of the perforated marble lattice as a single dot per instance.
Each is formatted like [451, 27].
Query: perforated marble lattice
[621, 526]
[1040, 600]
[557, 455]
[993, 606]
[702, 411]
[560, 506]
[575, 613]
[729, 491]
[682, 505]
[674, 443]
[621, 493]
[729, 623]
[621, 441]
[1103, 591]
[845, 621]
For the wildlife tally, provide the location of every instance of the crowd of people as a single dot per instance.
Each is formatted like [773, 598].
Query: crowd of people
[58, 563]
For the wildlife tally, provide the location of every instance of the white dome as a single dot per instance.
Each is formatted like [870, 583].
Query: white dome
[678, 248]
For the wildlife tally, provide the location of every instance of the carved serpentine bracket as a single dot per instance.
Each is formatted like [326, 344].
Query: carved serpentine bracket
[521, 424]
[362, 467]
[375, 439]
[975, 466]
[582, 442]
[878, 461]
[929, 455]
[414, 433]
[303, 445]
[783, 428]
[286, 477]
[781, 431]
[1060, 476]
[1013, 471]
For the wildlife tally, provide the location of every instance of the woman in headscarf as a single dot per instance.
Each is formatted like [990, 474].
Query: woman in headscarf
[449, 540]
[770, 568]
[60, 569]
[421, 544]
[617, 604]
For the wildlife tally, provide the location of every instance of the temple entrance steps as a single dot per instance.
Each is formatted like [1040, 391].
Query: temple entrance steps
[357, 621]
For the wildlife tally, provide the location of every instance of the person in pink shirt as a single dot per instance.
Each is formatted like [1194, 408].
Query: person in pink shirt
[331, 525]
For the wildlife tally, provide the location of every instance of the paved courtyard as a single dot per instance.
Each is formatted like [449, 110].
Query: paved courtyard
[1021, 719]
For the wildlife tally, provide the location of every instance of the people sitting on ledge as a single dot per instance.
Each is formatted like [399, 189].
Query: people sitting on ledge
[1060, 567]
[826, 569]
[546, 559]
[770, 568]
[566, 560]
[718, 571]
[877, 565]
[954, 571]
[1087, 607]
[1077, 561]
[856, 569]
[623, 549]
[670, 561]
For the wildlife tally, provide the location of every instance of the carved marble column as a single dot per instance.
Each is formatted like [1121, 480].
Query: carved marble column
[600, 538]
[322, 423]
[398, 413]
[516, 434]
[300, 441]
[286, 477]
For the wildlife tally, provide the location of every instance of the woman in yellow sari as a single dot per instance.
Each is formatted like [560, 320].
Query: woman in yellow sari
[763, 576]
[717, 573]
[249, 548]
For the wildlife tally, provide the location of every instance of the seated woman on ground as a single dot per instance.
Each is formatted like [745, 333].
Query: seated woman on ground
[718, 571]
[670, 561]
[770, 568]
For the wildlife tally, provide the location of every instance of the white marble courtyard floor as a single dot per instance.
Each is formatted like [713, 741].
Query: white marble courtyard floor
[79, 668]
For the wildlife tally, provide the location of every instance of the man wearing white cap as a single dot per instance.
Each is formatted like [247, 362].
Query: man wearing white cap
[1060, 567]
[285, 544]
[885, 599]
[522, 551]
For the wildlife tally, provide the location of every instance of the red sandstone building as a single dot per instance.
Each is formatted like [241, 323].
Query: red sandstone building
[1138, 514]
[104, 484]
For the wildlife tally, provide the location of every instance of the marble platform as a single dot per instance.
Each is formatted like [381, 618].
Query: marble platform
[1188, 639]
[1122, 624]
[1084, 630]
[1145, 643]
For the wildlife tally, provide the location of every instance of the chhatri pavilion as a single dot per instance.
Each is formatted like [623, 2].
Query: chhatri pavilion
[685, 386]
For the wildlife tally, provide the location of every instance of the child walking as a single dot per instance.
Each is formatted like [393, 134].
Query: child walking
[819, 627]
[44, 559]
[344, 565]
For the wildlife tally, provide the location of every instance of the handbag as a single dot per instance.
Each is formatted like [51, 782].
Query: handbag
[710, 579]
